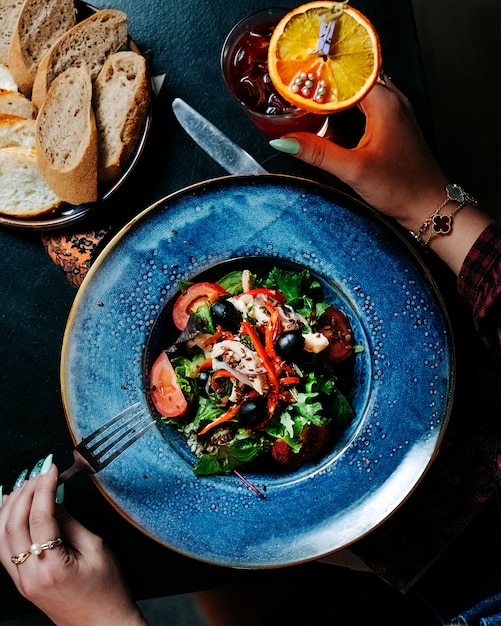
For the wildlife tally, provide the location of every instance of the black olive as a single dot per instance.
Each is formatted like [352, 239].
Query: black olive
[253, 412]
[290, 344]
[225, 314]
[202, 382]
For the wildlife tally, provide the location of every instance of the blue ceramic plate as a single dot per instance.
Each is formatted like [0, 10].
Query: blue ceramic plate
[404, 377]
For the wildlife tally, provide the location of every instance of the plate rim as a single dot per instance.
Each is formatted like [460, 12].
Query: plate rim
[323, 188]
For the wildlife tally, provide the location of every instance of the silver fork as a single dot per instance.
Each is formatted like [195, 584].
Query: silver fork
[101, 447]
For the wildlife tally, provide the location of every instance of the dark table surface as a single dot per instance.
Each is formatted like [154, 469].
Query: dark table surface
[182, 41]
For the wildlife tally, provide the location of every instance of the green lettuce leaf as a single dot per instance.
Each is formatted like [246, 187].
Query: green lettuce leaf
[232, 455]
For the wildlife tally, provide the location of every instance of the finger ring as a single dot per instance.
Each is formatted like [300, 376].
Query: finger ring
[36, 548]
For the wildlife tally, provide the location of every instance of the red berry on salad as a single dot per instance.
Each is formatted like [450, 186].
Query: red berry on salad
[313, 439]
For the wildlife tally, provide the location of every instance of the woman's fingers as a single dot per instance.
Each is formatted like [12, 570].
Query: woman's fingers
[42, 520]
[326, 155]
[15, 527]
[391, 168]
[348, 164]
[29, 524]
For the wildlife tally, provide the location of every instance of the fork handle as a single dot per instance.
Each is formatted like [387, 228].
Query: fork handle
[67, 474]
[79, 465]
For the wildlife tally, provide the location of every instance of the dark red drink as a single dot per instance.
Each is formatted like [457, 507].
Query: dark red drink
[248, 73]
[244, 61]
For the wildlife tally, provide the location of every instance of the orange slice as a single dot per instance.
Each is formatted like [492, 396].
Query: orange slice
[324, 74]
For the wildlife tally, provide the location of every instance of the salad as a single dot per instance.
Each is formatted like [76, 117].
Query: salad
[260, 376]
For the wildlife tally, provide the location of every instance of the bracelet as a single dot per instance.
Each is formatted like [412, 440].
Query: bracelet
[441, 224]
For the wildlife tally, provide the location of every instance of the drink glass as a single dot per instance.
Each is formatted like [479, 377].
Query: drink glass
[244, 64]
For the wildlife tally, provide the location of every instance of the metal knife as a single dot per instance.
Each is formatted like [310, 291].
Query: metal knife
[216, 144]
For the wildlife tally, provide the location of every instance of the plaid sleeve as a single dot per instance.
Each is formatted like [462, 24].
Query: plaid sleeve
[479, 283]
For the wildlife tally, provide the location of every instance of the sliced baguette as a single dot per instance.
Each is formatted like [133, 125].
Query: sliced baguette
[7, 81]
[15, 103]
[91, 41]
[16, 132]
[121, 101]
[23, 190]
[66, 137]
[40, 24]
[9, 12]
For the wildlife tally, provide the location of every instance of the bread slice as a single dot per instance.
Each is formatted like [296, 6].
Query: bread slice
[9, 12]
[121, 101]
[66, 137]
[39, 25]
[7, 81]
[16, 132]
[23, 190]
[15, 103]
[91, 41]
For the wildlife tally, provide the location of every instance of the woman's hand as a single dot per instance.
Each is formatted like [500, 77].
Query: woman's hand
[77, 582]
[393, 170]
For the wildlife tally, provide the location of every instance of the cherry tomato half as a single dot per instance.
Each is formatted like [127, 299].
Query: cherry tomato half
[189, 301]
[334, 324]
[166, 393]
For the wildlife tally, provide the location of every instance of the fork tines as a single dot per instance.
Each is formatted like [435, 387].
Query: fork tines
[104, 445]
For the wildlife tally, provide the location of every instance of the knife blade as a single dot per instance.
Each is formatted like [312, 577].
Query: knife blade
[216, 144]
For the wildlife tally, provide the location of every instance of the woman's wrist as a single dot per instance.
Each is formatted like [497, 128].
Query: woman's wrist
[421, 204]
[454, 246]
[448, 221]
[440, 222]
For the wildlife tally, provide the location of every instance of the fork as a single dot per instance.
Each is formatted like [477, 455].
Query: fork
[101, 447]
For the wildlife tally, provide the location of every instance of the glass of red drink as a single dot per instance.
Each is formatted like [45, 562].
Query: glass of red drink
[244, 63]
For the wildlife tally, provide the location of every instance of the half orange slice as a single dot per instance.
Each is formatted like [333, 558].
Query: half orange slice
[324, 57]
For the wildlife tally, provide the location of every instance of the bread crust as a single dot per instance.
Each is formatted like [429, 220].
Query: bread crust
[66, 137]
[39, 25]
[106, 29]
[122, 97]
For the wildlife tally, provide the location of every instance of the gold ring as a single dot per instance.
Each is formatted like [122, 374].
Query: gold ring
[36, 548]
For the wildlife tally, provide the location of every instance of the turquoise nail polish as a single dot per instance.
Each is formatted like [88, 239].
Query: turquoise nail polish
[46, 465]
[20, 480]
[60, 494]
[36, 470]
[290, 146]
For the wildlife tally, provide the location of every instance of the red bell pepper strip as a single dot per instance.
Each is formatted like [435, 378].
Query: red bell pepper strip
[217, 375]
[289, 380]
[224, 417]
[271, 332]
[205, 365]
[268, 365]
